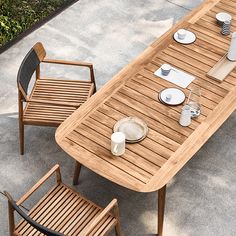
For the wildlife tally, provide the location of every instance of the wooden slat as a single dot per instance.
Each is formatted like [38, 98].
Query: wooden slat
[161, 151]
[133, 92]
[130, 156]
[55, 90]
[152, 121]
[150, 83]
[67, 212]
[53, 191]
[152, 113]
[92, 161]
[105, 154]
[192, 69]
[154, 103]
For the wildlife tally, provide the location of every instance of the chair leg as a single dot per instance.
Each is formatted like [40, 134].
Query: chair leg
[161, 209]
[76, 173]
[11, 219]
[21, 134]
[117, 216]
[118, 230]
[21, 124]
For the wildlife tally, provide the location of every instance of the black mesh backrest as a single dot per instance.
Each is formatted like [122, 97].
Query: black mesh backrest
[33, 223]
[27, 68]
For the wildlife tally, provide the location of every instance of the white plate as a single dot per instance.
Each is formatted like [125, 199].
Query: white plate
[189, 38]
[223, 16]
[176, 96]
[134, 129]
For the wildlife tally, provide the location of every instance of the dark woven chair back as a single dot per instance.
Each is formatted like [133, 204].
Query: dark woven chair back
[28, 67]
[37, 226]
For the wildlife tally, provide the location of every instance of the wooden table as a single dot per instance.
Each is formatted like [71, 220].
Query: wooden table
[149, 165]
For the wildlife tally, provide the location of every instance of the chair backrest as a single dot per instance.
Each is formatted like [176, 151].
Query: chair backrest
[29, 65]
[33, 223]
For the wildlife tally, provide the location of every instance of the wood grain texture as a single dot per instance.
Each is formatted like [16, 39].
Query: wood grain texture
[149, 165]
[52, 100]
[66, 211]
[221, 69]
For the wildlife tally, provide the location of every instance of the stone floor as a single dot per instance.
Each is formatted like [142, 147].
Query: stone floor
[201, 198]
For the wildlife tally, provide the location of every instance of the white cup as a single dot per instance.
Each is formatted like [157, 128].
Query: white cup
[185, 118]
[181, 33]
[118, 143]
[165, 69]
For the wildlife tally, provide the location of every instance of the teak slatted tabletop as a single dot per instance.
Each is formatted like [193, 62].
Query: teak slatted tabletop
[150, 164]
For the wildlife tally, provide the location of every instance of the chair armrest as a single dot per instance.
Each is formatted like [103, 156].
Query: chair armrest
[56, 169]
[113, 205]
[71, 63]
[70, 104]
[74, 63]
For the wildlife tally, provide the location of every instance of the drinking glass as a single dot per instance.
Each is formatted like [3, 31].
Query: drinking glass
[194, 101]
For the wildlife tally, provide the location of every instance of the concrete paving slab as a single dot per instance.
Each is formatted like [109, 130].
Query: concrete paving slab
[200, 199]
[186, 4]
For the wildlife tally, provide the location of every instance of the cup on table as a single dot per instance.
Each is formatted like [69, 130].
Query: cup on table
[118, 143]
[185, 118]
[181, 33]
[165, 69]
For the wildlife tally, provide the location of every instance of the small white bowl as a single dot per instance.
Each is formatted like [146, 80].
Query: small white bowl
[223, 16]
[181, 33]
[165, 69]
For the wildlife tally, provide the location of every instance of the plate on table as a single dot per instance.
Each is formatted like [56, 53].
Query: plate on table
[171, 96]
[189, 38]
[135, 129]
[221, 17]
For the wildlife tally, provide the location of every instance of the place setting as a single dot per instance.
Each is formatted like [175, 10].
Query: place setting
[174, 75]
[184, 36]
[127, 130]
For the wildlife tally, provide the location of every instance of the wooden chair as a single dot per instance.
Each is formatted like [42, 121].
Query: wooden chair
[62, 211]
[51, 100]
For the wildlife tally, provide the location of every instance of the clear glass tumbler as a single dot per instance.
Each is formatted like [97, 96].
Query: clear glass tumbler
[194, 101]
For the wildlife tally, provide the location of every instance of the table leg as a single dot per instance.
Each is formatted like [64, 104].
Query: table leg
[76, 173]
[161, 208]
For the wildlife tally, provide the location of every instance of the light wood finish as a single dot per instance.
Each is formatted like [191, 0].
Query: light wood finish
[221, 69]
[52, 100]
[149, 165]
[161, 209]
[66, 211]
[76, 173]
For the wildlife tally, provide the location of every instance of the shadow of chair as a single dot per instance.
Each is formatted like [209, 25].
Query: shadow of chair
[62, 211]
[51, 100]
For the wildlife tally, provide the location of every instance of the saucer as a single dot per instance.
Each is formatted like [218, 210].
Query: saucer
[134, 129]
[221, 17]
[171, 96]
[189, 38]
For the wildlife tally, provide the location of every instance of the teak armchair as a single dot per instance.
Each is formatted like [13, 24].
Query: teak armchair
[62, 211]
[51, 100]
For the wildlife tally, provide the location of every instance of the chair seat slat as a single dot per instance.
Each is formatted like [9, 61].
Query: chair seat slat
[67, 212]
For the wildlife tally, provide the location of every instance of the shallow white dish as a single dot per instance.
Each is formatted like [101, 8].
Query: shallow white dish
[223, 16]
[172, 96]
[134, 129]
[190, 37]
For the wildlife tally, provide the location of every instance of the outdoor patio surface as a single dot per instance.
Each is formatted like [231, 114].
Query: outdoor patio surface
[201, 198]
